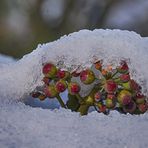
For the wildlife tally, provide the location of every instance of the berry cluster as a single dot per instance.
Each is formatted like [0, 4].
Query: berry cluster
[113, 89]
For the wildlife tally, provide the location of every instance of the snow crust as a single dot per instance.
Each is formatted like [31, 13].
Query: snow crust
[24, 126]
[80, 48]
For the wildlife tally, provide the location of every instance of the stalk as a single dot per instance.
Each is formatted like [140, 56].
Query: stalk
[115, 74]
[79, 98]
[61, 101]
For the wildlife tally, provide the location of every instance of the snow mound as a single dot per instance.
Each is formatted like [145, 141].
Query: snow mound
[80, 48]
[23, 126]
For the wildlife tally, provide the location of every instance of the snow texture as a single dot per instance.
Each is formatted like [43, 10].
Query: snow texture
[24, 126]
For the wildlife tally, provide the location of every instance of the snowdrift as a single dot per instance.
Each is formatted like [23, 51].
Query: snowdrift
[79, 48]
[25, 126]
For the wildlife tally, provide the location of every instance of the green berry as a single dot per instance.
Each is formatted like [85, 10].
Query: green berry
[110, 103]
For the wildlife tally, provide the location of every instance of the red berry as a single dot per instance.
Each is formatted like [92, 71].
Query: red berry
[130, 108]
[46, 80]
[42, 97]
[126, 100]
[140, 98]
[125, 77]
[87, 76]
[124, 97]
[104, 72]
[143, 107]
[49, 70]
[50, 91]
[123, 68]
[35, 94]
[134, 85]
[75, 74]
[98, 65]
[111, 96]
[73, 88]
[102, 108]
[110, 86]
[97, 96]
[61, 74]
[61, 86]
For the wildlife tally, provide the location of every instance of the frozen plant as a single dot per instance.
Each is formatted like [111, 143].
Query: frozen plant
[113, 88]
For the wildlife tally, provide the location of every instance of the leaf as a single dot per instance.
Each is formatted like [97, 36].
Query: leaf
[73, 102]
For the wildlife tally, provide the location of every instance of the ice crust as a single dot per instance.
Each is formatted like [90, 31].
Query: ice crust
[80, 48]
[24, 126]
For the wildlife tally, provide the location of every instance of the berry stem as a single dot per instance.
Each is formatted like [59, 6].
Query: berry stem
[114, 74]
[102, 89]
[61, 101]
[117, 80]
[94, 90]
[96, 108]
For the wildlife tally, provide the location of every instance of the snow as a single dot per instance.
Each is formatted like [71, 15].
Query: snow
[73, 50]
[25, 126]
